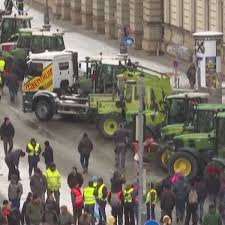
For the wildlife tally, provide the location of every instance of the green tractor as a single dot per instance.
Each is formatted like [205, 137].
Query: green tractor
[193, 151]
[126, 105]
[180, 111]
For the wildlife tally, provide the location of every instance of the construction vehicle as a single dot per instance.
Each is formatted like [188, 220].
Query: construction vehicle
[194, 150]
[10, 25]
[180, 112]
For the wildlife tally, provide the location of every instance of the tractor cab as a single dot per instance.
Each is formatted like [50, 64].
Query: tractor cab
[10, 25]
[193, 151]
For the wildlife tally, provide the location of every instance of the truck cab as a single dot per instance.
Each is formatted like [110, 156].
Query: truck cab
[49, 71]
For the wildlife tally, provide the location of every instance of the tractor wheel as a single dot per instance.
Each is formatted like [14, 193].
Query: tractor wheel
[108, 124]
[43, 110]
[185, 163]
[163, 154]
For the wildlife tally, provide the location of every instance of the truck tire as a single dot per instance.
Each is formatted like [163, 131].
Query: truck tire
[162, 157]
[185, 163]
[108, 124]
[43, 110]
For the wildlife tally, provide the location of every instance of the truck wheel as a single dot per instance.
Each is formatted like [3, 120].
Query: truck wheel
[43, 110]
[108, 124]
[163, 154]
[185, 163]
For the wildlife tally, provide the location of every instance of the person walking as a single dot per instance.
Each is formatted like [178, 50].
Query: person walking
[48, 154]
[192, 205]
[167, 201]
[75, 178]
[115, 197]
[85, 148]
[150, 201]
[89, 200]
[53, 178]
[202, 194]
[12, 161]
[34, 211]
[128, 202]
[24, 216]
[181, 190]
[77, 203]
[65, 217]
[33, 150]
[212, 218]
[38, 185]
[14, 216]
[101, 194]
[7, 133]
[120, 139]
[51, 212]
[15, 191]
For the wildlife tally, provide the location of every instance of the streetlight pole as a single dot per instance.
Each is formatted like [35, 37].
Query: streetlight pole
[46, 25]
[141, 93]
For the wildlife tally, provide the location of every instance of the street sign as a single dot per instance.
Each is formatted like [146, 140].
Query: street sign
[128, 41]
[151, 222]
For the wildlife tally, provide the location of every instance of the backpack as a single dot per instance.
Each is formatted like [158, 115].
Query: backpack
[193, 197]
[115, 200]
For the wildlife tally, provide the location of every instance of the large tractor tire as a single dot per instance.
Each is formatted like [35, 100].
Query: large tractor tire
[108, 124]
[163, 155]
[43, 110]
[184, 163]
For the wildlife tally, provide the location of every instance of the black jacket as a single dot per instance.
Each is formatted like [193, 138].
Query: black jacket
[7, 131]
[72, 180]
[117, 184]
[85, 146]
[48, 155]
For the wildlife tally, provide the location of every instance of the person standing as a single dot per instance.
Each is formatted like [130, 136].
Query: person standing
[115, 197]
[38, 184]
[167, 201]
[33, 150]
[53, 178]
[89, 200]
[77, 203]
[150, 201]
[7, 133]
[48, 154]
[120, 139]
[15, 191]
[65, 217]
[12, 162]
[101, 195]
[34, 211]
[85, 148]
[75, 178]
[128, 202]
[192, 205]
[24, 216]
[180, 189]
[212, 218]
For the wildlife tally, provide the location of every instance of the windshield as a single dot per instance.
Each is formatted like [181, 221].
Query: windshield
[203, 121]
[176, 111]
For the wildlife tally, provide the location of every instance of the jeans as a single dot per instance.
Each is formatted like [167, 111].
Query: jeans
[180, 209]
[33, 161]
[129, 214]
[102, 212]
[15, 203]
[191, 211]
[8, 142]
[213, 198]
[150, 213]
[76, 215]
[56, 194]
[12, 169]
[201, 208]
[120, 156]
[90, 209]
[84, 161]
[117, 213]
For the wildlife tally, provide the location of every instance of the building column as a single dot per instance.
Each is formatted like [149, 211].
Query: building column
[76, 12]
[110, 19]
[123, 16]
[202, 15]
[152, 39]
[136, 21]
[87, 13]
[66, 9]
[57, 12]
[98, 16]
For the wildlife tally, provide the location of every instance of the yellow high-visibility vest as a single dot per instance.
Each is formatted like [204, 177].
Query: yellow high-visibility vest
[2, 65]
[148, 196]
[53, 179]
[89, 198]
[34, 151]
[100, 194]
[127, 195]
